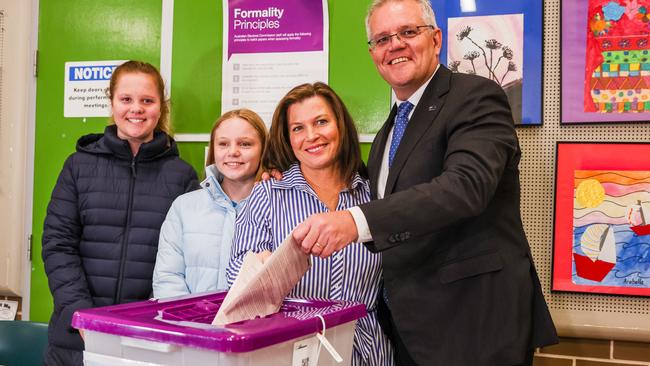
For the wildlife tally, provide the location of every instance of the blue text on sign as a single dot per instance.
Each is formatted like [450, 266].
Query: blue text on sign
[83, 73]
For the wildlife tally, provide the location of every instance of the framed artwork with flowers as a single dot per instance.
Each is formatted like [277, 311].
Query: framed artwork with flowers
[500, 40]
[601, 231]
[605, 61]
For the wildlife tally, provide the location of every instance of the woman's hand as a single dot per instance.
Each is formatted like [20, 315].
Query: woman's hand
[273, 173]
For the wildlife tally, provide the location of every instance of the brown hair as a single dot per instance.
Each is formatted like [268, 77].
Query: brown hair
[279, 154]
[249, 116]
[164, 124]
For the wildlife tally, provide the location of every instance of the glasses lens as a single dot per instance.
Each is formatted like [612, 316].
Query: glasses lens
[382, 41]
[409, 32]
[403, 34]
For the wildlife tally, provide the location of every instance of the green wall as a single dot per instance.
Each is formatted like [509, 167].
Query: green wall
[89, 30]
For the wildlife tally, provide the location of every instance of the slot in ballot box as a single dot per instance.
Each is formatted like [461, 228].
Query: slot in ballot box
[179, 332]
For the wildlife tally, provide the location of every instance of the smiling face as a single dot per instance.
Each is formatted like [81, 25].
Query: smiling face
[237, 150]
[408, 63]
[136, 108]
[313, 134]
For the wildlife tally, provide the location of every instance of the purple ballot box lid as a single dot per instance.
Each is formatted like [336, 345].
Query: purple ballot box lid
[186, 322]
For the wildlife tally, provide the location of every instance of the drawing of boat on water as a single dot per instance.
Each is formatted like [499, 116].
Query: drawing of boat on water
[599, 246]
[637, 216]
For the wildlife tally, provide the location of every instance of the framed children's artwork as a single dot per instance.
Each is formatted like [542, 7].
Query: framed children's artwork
[500, 40]
[601, 237]
[605, 61]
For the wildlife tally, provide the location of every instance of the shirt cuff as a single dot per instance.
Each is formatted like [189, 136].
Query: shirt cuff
[362, 224]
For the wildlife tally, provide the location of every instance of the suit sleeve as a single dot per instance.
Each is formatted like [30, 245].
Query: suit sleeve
[481, 144]
[169, 272]
[61, 238]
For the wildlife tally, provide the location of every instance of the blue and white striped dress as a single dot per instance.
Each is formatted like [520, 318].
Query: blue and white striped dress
[273, 210]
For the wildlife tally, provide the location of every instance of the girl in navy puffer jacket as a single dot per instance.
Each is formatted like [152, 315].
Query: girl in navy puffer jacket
[100, 235]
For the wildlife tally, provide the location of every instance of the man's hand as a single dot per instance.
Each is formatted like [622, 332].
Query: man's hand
[325, 233]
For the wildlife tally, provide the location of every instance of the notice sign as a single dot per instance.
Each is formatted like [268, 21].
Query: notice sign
[86, 85]
[269, 47]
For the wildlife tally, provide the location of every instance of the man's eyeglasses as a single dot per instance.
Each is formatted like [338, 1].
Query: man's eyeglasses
[406, 33]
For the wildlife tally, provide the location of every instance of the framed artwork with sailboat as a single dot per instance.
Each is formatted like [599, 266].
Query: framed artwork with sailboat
[601, 238]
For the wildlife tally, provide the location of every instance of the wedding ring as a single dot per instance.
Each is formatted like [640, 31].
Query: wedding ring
[318, 245]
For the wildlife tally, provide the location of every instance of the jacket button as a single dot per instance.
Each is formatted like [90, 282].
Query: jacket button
[207, 184]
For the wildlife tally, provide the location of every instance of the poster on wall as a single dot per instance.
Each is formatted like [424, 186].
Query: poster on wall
[501, 41]
[8, 309]
[605, 71]
[601, 240]
[269, 47]
[85, 88]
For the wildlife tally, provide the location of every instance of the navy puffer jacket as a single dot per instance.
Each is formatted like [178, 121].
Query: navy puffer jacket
[100, 236]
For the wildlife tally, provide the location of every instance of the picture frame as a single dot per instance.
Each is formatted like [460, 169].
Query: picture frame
[499, 40]
[605, 62]
[601, 243]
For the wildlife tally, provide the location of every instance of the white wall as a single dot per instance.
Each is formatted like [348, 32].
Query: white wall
[16, 144]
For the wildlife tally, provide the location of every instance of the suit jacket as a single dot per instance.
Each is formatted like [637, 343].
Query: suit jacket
[461, 285]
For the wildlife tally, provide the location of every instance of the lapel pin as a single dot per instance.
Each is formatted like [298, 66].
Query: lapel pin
[432, 108]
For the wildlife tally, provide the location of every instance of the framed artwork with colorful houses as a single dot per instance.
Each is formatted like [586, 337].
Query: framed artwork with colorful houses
[601, 237]
[500, 40]
[605, 61]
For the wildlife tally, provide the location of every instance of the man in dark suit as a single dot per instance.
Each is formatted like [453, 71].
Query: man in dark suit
[460, 287]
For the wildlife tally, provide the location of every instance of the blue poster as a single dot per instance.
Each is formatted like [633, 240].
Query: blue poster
[501, 41]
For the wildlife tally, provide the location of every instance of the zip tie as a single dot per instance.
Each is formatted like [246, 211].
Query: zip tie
[326, 343]
[322, 320]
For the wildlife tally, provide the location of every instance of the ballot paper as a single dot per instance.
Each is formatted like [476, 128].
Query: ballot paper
[260, 287]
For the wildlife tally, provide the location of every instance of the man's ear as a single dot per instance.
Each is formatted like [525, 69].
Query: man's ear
[437, 40]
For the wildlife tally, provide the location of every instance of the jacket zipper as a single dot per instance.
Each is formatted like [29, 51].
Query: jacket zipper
[125, 240]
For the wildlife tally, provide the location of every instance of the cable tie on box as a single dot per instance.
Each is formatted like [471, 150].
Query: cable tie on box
[326, 343]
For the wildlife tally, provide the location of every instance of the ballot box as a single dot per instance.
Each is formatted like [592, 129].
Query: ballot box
[179, 332]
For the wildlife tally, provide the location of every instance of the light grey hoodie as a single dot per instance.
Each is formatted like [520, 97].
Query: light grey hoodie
[195, 240]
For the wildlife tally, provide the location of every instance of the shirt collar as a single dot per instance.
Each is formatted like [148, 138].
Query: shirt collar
[293, 178]
[212, 183]
[415, 97]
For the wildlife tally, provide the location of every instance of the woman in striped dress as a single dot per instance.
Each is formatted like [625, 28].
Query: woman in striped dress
[314, 142]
